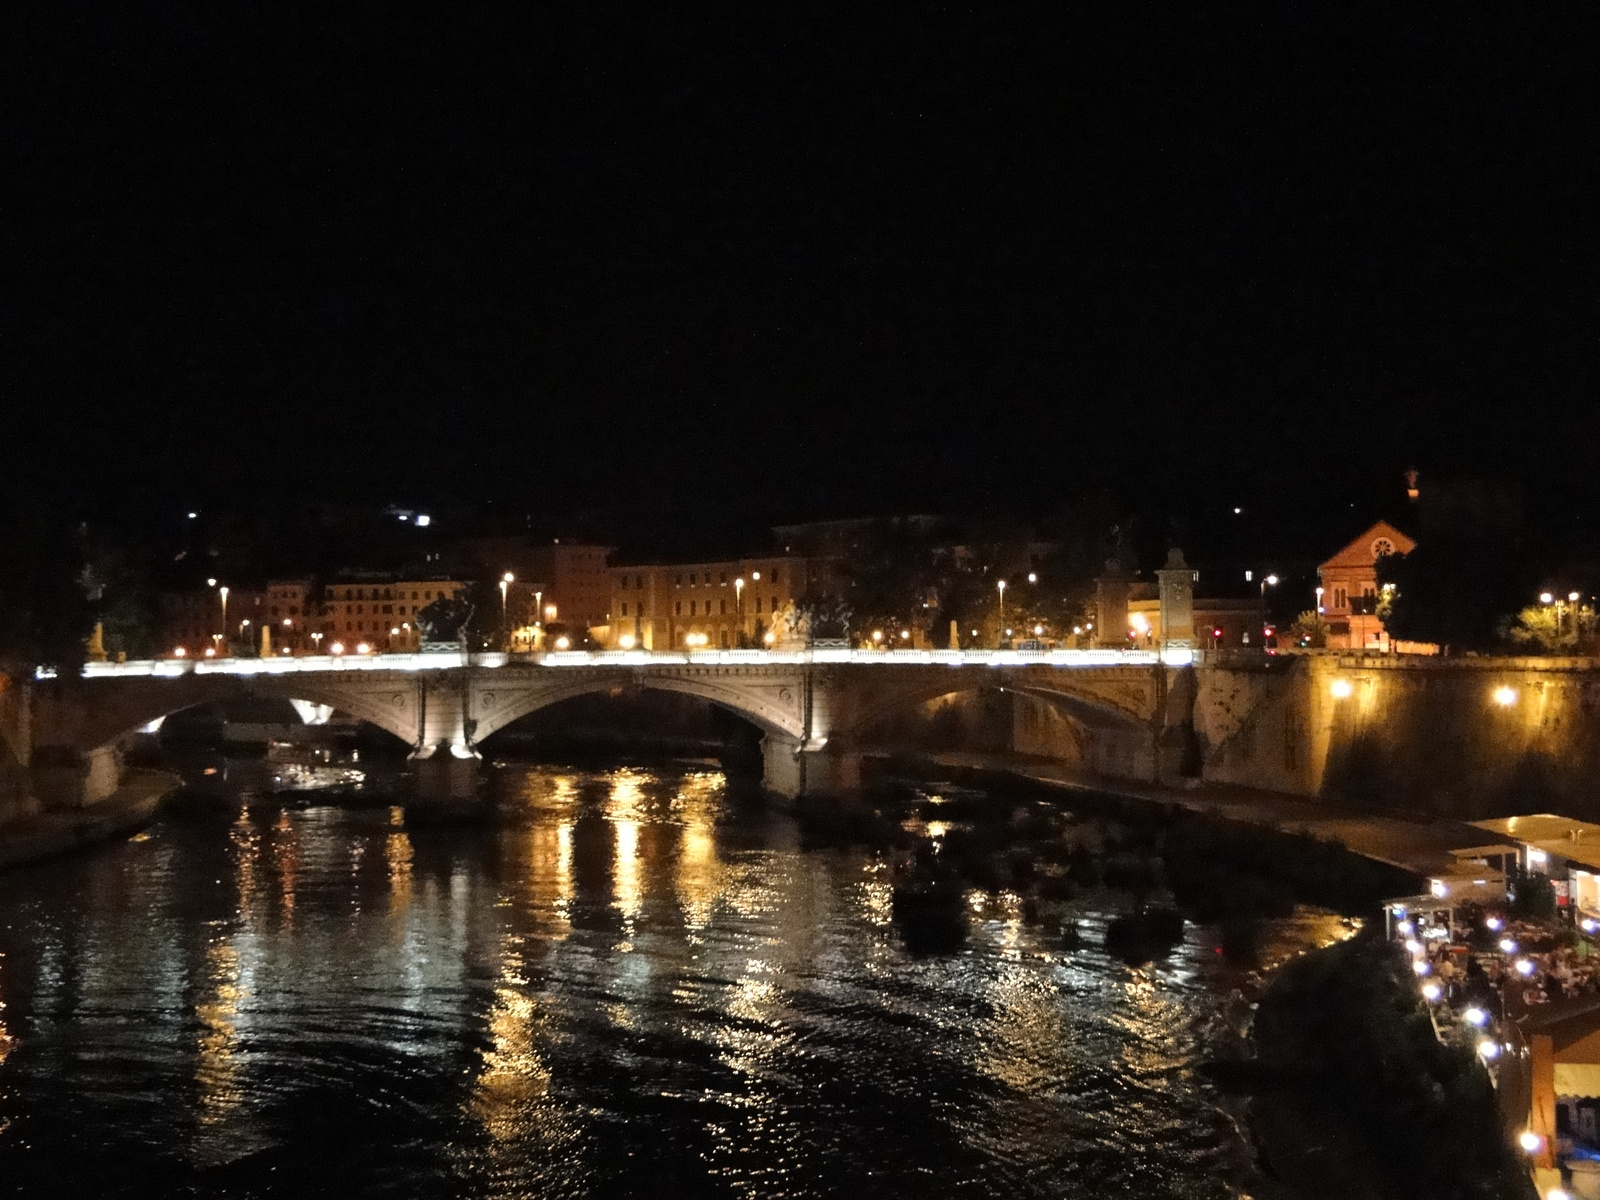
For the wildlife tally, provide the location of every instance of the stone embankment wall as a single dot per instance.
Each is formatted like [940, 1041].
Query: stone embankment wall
[1468, 737]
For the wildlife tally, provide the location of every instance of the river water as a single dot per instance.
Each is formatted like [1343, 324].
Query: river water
[635, 987]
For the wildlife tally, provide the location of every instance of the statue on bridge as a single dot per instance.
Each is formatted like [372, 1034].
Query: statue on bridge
[790, 627]
[443, 624]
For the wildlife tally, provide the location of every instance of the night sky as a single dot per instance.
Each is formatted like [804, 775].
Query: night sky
[687, 275]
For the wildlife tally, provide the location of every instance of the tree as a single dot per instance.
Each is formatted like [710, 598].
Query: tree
[1554, 629]
[1456, 589]
[1309, 631]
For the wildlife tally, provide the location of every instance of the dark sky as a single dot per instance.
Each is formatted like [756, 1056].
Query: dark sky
[683, 272]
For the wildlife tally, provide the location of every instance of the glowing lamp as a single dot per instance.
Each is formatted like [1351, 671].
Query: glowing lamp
[336, 648]
[179, 652]
[1524, 967]
[1341, 689]
[563, 642]
[1494, 923]
[626, 641]
[1488, 1051]
[1507, 946]
[1431, 992]
[1476, 1016]
[363, 648]
[1505, 696]
[1530, 1141]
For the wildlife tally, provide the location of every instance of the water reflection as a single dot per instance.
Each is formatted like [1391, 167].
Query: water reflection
[633, 987]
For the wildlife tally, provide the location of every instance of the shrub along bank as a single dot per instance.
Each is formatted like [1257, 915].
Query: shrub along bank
[1345, 1029]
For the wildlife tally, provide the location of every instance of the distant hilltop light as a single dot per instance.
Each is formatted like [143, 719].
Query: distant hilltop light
[405, 516]
[424, 519]
[193, 515]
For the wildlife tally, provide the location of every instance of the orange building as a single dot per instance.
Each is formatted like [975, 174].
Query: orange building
[716, 604]
[1350, 593]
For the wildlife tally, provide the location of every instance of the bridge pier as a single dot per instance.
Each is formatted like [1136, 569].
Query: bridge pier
[444, 782]
[66, 777]
[792, 769]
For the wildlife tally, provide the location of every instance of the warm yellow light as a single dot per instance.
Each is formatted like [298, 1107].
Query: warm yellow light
[1505, 696]
[563, 642]
[211, 652]
[287, 622]
[1140, 622]
[905, 635]
[1573, 596]
[1038, 631]
[363, 648]
[626, 641]
[508, 577]
[877, 635]
[179, 652]
[756, 575]
[336, 648]
[770, 638]
[1341, 688]
[549, 612]
[1032, 578]
[739, 582]
[1546, 598]
[395, 632]
[1530, 1141]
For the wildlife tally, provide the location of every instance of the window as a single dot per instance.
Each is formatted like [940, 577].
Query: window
[724, 608]
[691, 578]
[758, 604]
[774, 574]
[677, 609]
[677, 581]
[774, 607]
[624, 608]
[724, 582]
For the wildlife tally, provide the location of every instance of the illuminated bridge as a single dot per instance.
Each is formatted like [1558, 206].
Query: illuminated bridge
[816, 708]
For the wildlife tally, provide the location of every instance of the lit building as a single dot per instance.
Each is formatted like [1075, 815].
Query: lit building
[1219, 621]
[379, 615]
[710, 604]
[1351, 592]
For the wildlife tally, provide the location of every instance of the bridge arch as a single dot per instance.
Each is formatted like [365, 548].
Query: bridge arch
[119, 707]
[773, 707]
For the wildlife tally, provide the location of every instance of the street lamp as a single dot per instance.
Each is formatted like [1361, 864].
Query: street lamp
[223, 592]
[316, 639]
[738, 603]
[1266, 582]
[1319, 600]
[1000, 586]
[506, 581]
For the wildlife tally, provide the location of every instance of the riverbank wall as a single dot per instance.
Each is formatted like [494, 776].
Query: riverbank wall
[1467, 738]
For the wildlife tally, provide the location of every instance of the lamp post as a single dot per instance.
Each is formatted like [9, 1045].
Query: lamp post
[738, 602]
[316, 639]
[1266, 582]
[506, 581]
[1000, 586]
[223, 592]
[538, 620]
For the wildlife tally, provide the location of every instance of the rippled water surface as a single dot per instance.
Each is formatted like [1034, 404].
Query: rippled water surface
[638, 988]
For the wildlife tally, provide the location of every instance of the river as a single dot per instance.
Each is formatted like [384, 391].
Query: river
[637, 986]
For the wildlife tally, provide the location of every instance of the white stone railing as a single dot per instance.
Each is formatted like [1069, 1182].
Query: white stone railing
[436, 661]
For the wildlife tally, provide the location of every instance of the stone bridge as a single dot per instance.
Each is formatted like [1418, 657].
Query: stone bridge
[817, 710]
[1471, 737]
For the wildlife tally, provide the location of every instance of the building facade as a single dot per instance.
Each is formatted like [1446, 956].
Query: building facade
[1350, 593]
[707, 604]
[367, 616]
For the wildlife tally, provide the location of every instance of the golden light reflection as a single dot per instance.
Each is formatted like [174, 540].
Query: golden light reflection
[6, 1040]
[514, 1076]
[397, 856]
[286, 854]
[1022, 1040]
[217, 1068]
[246, 844]
[625, 808]
[700, 872]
